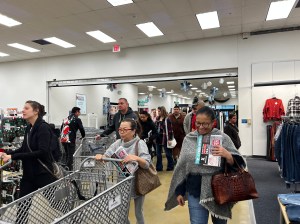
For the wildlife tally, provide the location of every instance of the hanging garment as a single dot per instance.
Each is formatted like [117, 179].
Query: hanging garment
[273, 110]
[293, 108]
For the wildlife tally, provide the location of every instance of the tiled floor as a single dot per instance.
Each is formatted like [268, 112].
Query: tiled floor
[154, 207]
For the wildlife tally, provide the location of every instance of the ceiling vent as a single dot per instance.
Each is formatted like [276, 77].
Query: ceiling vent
[287, 29]
[41, 42]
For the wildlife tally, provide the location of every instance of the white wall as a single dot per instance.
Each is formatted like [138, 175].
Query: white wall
[27, 79]
[268, 72]
[62, 99]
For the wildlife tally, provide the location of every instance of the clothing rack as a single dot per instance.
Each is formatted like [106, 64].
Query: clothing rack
[292, 120]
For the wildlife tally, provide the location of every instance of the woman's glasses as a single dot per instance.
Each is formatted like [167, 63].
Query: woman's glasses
[204, 125]
[124, 129]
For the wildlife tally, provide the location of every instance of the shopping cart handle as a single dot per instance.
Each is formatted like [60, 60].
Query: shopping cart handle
[112, 159]
[6, 164]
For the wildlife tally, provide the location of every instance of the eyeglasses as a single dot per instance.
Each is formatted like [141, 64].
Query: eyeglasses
[124, 129]
[204, 125]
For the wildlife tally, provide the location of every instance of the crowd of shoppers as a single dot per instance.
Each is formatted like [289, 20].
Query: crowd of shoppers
[143, 136]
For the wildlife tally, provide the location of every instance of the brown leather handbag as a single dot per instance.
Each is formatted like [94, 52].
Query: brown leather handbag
[233, 186]
[146, 180]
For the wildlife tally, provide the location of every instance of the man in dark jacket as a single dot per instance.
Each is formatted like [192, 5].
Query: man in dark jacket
[124, 112]
[177, 120]
[74, 124]
[232, 130]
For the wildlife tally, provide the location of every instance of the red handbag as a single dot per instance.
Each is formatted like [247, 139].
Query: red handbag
[233, 186]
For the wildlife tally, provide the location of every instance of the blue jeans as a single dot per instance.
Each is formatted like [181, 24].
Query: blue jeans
[159, 165]
[199, 214]
[138, 209]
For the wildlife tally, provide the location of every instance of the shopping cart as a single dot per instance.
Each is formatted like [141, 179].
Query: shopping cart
[89, 147]
[92, 194]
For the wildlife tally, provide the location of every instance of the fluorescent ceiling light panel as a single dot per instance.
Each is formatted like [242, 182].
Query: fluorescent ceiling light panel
[119, 2]
[169, 92]
[151, 87]
[142, 93]
[280, 9]
[174, 94]
[159, 89]
[208, 20]
[23, 47]
[149, 29]
[59, 42]
[198, 91]
[231, 82]
[231, 89]
[3, 54]
[6, 21]
[194, 88]
[231, 86]
[101, 36]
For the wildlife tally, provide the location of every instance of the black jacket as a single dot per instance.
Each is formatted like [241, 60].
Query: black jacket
[39, 137]
[233, 132]
[146, 128]
[74, 126]
[118, 117]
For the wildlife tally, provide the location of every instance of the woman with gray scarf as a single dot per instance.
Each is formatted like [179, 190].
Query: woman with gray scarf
[192, 181]
[129, 130]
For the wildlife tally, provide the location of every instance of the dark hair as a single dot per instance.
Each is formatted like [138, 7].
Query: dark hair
[134, 125]
[231, 115]
[207, 111]
[75, 109]
[36, 106]
[146, 114]
[176, 106]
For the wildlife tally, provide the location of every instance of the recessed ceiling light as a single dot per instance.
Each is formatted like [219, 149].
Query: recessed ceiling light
[59, 42]
[99, 35]
[231, 82]
[23, 47]
[280, 9]
[142, 93]
[119, 2]
[208, 20]
[150, 29]
[231, 86]
[6, 21]
[3, 54]
[194, 88]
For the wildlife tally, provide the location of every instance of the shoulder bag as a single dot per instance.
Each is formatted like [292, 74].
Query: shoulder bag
[146, 180]
[58, 171]
[173, 141]
[233, 186]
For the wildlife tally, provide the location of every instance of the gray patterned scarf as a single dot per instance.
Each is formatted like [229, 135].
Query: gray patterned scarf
[186, 165]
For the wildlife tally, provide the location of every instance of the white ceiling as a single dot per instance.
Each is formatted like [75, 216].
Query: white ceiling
[70, 19]
[176, 87]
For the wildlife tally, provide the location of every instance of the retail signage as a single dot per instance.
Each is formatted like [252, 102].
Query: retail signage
[81, 102]
[116, 48]
[114, 202]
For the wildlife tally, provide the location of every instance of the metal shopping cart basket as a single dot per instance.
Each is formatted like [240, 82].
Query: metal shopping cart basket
[91, 194]
[89, 147]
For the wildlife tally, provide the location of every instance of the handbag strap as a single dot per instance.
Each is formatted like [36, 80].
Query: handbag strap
[39, 159]
[167, 132]
[137, 148]
[235, 162]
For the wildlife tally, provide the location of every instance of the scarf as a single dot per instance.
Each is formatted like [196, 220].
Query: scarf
[186, 165]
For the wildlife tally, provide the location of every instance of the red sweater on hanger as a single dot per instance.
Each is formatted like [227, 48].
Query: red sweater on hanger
[273, 110]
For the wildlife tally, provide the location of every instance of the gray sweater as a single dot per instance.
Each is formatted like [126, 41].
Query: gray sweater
[130, 149]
